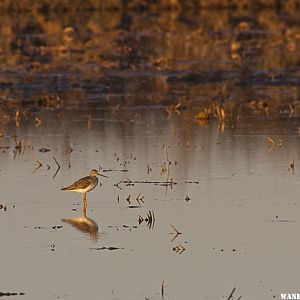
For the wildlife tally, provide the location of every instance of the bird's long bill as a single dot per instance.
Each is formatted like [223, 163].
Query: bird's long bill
[103, 175]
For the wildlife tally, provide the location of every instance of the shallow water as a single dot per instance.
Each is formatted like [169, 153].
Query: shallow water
[239, 228]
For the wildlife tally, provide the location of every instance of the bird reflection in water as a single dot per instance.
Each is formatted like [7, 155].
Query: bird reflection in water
[84, 224]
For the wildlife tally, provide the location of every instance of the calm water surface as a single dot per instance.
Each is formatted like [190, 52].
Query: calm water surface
[240, 227]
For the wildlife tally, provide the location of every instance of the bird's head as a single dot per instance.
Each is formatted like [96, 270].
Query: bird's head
[95, 172]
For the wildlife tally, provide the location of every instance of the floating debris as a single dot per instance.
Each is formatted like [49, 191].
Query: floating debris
[57, 227]
[179, 249]
[3, 207]
[162, 183]
[133, 206]
[107, 248]
[44, 150]
[114, 170]
[7, 294]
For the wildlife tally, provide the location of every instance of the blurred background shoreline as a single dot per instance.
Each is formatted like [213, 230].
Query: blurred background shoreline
[161, 53]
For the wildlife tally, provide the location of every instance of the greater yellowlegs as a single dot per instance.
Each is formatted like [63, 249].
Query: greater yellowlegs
[84, 185]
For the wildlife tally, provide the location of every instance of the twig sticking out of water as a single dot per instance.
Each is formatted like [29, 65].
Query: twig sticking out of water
[166, 153]
[117, 185]
[173, 108]
[162, 290]
[292, 166]
[38, 122]
[17, 118]
[69, 149]
[89, 122]
[274, 144]
[39, 164]
[58, 167]
[270, 141]
[26, 146]
[164, 168]
[231, 294]
[177, 233]
[18, 147]
[149, 169]
[139, 200]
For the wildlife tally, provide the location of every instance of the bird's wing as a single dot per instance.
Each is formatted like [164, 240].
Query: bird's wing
[82, 183]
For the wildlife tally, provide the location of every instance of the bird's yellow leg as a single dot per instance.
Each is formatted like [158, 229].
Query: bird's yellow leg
[84, 204]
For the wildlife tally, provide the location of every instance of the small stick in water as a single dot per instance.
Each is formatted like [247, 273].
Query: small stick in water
[38, 162]
[177, 233]
[58, 167]
[231, 294]
[162, 290]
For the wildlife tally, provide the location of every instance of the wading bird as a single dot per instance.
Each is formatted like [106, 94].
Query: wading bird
[84, 185]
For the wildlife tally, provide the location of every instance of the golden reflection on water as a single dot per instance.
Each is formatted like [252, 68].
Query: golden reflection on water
[84, 224]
